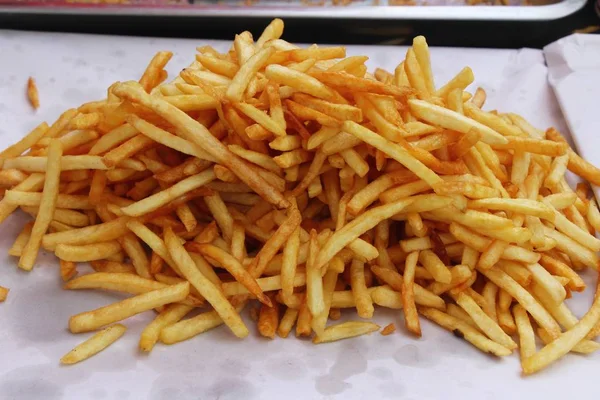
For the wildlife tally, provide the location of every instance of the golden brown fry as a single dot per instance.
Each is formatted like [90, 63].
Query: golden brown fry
[346, 330]
[287, 322]
[289, 264]
[408, 298]
[463, 79]
[21, 240]
[364, 304]
[3, 293]
[393, 150]
[91, 320]
[448, 119]
[172, 314]
[32, 93]
[27, 142]
[435, 266]
[303, 324]
[191, 327]
[68, 270]
[87, 252]
[275, 242]
[152, 74]
[464, 330]
[94, 345]
[47, 206]
[314, 281]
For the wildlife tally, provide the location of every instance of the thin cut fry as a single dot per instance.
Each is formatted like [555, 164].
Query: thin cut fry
[47, 206]
[408, 298]
[204, 286]
[151, 333]
[91, 320]
[346, 330]
[94, 345]
[32, 93]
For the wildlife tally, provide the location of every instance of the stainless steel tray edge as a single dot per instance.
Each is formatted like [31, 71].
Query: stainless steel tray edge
[463, 13]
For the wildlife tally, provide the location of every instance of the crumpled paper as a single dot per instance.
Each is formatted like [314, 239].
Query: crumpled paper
[574, 74]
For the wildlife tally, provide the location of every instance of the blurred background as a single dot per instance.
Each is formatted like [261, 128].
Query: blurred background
[469, 23]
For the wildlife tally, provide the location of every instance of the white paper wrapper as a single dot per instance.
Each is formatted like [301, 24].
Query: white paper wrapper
[71, 69]
[574, 73]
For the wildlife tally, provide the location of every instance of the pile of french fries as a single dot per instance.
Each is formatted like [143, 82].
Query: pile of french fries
[294, 177]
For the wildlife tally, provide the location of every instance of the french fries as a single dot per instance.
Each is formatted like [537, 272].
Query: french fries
[293, 177]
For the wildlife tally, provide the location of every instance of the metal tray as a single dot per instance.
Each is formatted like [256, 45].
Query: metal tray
[465, 10]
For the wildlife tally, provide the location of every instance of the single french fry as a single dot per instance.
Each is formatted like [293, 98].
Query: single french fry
[492, 254]
[303, 323]
[21, 240]
[346, 330]
[445, 118]
[275, 242]
[364, 304]
[527, 346]
[94, 345]
[87, 252]
[422, 53]
[287, 322]
[67, 163]
[393, 150]
[411, 316]
[151, 76]
[314, 280]
[300, 81]
[329, 283]
[171, 315]
[435, 266]
[463, 79]
[163, 197]
[163, 137]
[191, 327]
[289, 263]
[344, 80]
[27, 142]
[47, 207]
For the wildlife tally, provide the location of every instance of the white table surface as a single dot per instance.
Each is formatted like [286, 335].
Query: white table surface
[72, 69]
